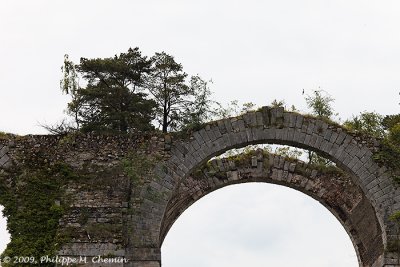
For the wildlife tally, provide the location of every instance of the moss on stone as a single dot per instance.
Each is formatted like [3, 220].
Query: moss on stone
[137, 166]
[32, 207]
[394, 245]
[389, 155]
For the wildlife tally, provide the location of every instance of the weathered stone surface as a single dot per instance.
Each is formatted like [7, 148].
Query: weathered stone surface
[351, 154]
[138, 214]
[336, 191]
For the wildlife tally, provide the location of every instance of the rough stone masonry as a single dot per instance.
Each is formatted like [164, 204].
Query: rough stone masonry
[121, 194]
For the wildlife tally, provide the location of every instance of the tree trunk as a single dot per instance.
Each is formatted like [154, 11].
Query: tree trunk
[165, 120]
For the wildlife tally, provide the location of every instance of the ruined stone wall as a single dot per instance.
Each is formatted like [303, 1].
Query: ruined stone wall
[117, 196]
[96, 188]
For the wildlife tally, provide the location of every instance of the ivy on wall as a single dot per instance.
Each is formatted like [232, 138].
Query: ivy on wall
[31, 200]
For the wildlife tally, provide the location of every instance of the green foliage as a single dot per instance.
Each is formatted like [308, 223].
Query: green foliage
[321, 104]
[3, 135]
[389, 155]
[317, 160]
[32, 211]
[247, 107]
[115, 96]
[69, 82]
[369, 123]
[243, 159]
[278, 103]
[394, 245]
[154, 195]
[115, 110]
[111, 101]
[138, 166]
[245, 150]
[200, 108]
[293, 109]
[314, 160]
[389, 152]
[289, 152]
[233, 109]
[387, 129]
[168, 87]
[395, 217]
[68, 139]
[394, 134]
[390, 120]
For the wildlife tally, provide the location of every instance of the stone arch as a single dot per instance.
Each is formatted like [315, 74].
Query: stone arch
[332, 188]
[350, 152]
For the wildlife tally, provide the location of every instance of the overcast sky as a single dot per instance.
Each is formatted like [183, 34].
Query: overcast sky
[253, 51]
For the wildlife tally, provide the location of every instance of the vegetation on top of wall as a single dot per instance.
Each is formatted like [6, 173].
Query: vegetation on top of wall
[3, 135]
[129, 92]
[388, 153]
[7, 136]
[243, 159]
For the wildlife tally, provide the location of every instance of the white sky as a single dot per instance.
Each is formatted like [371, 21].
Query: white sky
[253, 50]
[257, 224]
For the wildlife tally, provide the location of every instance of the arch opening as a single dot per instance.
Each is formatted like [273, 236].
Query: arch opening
[332, 187]
[257, 224]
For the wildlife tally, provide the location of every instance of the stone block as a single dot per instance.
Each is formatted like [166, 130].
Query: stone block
[3, 150]
[299, 121]
[4, 159]
[292, 120]
[310, 127]
[266, 116]
[228, 125]
[340, 138]
[221, 127]
[197, 136]
[259, 119]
